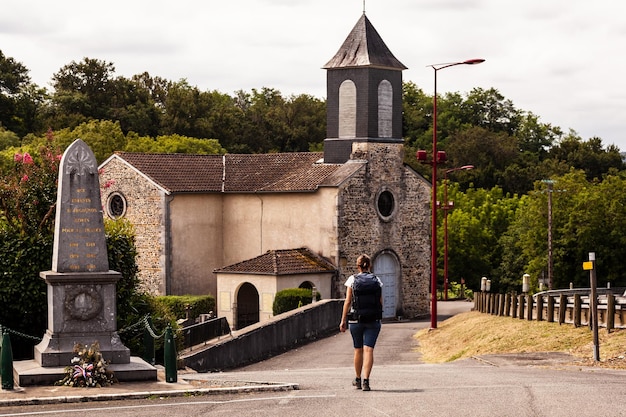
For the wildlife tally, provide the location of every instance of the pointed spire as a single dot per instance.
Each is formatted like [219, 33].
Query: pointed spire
[364, 48]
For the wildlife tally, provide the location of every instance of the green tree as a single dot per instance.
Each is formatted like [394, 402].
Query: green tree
[83, 91]
[590, 156]
[20, 100]
[479, 218]
[103, 137]
[174, 144]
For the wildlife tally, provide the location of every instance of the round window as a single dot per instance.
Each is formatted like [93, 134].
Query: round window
[116, 205]
[385, 203]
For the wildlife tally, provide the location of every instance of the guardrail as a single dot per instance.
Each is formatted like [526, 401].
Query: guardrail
[562, 306]
[200, 333]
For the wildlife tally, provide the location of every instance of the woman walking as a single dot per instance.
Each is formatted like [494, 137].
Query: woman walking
[362, 312]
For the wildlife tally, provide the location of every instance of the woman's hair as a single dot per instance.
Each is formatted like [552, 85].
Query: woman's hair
[364, 262]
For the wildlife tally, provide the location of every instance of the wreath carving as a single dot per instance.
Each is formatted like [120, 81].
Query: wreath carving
[83, 303]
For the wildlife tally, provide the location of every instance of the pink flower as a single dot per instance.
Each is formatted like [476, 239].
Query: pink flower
[27, 158]
[17, 157]
[25, 178]
[108, 184]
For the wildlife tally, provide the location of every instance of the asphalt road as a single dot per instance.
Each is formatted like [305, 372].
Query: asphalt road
[498, 385]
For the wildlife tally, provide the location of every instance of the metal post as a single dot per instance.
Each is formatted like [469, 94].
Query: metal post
[433, 226]
[594, 306]
[170, 356]
[435, 156]
[7, 362]
[550, 261]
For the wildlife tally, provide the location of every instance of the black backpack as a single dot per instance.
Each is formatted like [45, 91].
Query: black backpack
[366, 294]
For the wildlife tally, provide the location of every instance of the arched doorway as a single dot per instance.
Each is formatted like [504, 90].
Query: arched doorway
[247, 306]
[387, 268]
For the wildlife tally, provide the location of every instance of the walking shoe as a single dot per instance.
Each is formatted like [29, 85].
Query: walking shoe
[366, 385]
[357, 383]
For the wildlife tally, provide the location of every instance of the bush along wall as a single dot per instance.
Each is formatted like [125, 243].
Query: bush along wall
[292, 298]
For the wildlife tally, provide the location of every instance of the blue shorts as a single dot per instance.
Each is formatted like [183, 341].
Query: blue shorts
[364, 333]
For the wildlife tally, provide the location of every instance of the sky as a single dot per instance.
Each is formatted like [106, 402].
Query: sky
[562, 60]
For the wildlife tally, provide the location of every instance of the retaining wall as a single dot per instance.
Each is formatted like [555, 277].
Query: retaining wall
[262, 340]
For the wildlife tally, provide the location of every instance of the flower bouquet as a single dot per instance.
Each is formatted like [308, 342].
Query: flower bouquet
[88, 368]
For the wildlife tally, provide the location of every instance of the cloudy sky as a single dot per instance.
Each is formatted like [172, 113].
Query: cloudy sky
[563, 60]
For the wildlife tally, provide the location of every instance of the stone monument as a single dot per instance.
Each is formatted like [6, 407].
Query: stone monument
[81, 289]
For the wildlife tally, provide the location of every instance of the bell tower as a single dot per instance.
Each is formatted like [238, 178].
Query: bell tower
[364, 94]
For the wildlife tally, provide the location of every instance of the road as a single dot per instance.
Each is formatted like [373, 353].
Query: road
[401, 386]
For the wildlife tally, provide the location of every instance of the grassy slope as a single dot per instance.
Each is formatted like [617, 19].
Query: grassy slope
[473, 333]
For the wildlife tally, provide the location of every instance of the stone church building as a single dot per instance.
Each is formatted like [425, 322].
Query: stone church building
[242, 227]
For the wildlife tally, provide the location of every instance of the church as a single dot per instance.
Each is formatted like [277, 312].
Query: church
[242, 227]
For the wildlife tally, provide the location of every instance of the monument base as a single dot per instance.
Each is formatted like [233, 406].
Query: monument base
[58, 349]
[29, 372]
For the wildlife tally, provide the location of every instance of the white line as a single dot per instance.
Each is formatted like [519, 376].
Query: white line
[131, 407]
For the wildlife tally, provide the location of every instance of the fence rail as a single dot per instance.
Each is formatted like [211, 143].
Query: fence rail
[562, 306]
[200, 333]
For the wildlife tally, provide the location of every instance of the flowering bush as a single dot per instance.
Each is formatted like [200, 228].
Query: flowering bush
[28, 190]
[88, 368]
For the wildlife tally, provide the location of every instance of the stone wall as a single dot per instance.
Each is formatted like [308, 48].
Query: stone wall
[145, 204]
[260, 341]
[405, 233]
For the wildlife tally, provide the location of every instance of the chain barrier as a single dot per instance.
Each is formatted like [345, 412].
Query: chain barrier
[143, 322]
[134, 326]
[150, 330]
[5, 329]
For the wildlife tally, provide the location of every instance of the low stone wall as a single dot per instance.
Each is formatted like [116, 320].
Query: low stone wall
[260, 341]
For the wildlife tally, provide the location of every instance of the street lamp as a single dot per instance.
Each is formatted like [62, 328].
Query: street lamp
[435, 156]
[447, 205]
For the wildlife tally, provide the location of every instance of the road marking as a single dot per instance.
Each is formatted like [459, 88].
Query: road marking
[282, 400]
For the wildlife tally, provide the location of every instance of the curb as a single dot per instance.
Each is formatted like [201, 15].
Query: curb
[140, 395]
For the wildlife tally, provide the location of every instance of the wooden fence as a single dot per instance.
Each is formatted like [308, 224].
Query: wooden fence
[560, 306]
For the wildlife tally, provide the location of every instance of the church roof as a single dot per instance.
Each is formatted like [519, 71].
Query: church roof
[281, 262]
[274, 172]
[364, 48]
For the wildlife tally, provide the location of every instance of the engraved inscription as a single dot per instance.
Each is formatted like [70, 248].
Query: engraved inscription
[80, 245]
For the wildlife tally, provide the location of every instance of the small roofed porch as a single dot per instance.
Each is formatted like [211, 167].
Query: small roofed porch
[246, 290]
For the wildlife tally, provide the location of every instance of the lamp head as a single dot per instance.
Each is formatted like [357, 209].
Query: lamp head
[474, 61]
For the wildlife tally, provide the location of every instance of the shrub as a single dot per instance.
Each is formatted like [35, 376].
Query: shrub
[177, 304]
[292, 298]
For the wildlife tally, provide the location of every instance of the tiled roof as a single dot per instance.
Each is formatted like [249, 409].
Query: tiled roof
[274, 172]
[282, 262]
[179, 172]
[364, 48]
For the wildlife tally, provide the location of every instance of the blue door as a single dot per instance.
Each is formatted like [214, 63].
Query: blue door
[387, 268]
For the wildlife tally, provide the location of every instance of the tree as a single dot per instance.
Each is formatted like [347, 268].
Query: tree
[82, 91]
[174, 144]
[20, 100]
[586, 217]
[589, 156]
[480, 217]
[488, 151]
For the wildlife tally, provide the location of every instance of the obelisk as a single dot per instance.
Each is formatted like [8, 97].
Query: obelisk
[81, 288]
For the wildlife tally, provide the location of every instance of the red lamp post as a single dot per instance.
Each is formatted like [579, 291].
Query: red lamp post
[447, 205]
[435, 157]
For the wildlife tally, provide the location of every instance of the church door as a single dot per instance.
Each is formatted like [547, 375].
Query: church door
[387, 268]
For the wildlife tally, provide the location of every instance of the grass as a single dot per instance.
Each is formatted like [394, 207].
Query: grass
[473, 333]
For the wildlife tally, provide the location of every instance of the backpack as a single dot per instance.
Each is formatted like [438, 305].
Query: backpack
[366, 293]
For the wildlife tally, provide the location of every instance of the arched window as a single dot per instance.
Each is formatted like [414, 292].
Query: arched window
[385, 109]
[347, 109]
